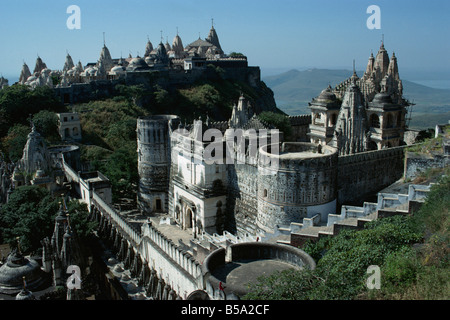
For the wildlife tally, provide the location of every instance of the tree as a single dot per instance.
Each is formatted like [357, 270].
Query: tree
[15, 141]
[17, 102]
[279, 121]
[46, 123]
[121, 169]
[29, 215]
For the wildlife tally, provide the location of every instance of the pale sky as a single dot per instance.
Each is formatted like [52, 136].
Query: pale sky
[274, 34]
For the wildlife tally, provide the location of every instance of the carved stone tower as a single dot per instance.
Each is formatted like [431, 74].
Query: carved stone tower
[153, 138]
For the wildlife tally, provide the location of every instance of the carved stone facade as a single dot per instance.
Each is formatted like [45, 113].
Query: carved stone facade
[362, 114]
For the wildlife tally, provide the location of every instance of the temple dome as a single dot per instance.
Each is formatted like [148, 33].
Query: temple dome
[117, 70]
[382, 97]
[15, 269]
[137, 64]
[327, 95]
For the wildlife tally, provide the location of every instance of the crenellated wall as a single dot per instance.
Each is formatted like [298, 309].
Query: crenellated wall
[366, 173]
[300, 127]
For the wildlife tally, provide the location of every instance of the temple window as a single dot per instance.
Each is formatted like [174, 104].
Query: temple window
[374, 121]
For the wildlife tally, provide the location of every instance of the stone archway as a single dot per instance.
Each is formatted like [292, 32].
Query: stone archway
[188, 218]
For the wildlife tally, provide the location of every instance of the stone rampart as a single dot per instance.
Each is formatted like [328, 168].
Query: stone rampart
[302, 185]
[366, 173]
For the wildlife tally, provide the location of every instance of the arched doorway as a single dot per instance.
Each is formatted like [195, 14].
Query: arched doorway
[188, 218]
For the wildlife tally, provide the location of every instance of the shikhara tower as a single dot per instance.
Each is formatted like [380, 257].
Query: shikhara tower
[362, 114]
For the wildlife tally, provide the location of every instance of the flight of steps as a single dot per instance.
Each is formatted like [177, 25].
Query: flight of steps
[351, 217]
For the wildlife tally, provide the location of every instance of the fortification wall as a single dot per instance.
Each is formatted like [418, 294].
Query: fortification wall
[175, 266]
[242, 201]
[366, 173]
[178, 268]
[300, 127]
[303, 185]
[99, 89]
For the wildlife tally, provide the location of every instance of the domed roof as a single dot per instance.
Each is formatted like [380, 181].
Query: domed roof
[31, 78]
[381, 99]
[117, 70]
[137, 64]
[15, 269]
[327, 95]
[326, 99]
[25, 294]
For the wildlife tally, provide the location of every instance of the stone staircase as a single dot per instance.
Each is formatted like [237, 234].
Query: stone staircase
[351, 217]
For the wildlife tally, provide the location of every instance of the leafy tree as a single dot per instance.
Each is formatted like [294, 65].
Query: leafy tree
[29, 215]
[121, 169]
[279, 121]
[17, 102]
[15, 141]
[46, 123]
[121, 133]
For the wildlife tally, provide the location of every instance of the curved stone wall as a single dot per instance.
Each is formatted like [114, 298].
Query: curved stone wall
[303, 184]
[261, 259]
[153, 139]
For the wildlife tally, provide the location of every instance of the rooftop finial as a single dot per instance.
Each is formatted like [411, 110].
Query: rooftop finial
[161, 37]
[354, 70]
[104, 41]
[212, 23]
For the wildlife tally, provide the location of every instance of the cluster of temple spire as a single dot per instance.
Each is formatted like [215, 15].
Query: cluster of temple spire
[106, 67]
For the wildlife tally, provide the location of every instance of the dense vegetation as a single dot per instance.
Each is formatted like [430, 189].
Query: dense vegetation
[279, 121]
[18, 102]
[411, 251]
[30, 215]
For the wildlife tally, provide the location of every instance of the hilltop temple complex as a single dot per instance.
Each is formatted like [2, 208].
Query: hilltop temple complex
[252, 192]
[162, 56]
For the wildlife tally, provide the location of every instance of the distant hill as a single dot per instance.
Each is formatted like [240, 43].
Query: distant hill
[294, 89]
